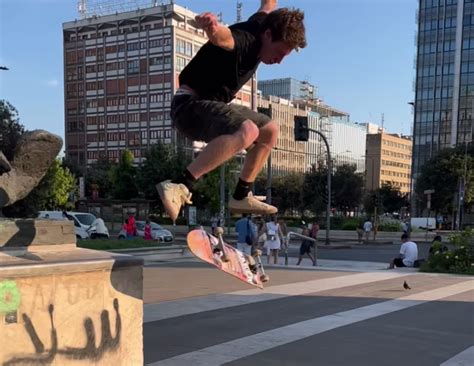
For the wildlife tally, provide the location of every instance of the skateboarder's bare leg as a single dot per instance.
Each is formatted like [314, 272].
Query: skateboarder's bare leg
[222, 148]
[258, 154]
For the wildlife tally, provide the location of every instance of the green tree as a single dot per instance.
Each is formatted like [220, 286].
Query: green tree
[207, 190]
[443, 173]
[287, 191]
[347, 186]
[162, 162]
[56, 189]
[122, 177]
[98, 175]
[391, 198]
[314, 190]
[10, 129]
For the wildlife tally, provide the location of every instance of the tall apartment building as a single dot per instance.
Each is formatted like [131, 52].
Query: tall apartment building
[287, 88]
[388, 160]
[120, 73]
[444, 99]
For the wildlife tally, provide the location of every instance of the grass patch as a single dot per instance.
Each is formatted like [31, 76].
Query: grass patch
[107, 244]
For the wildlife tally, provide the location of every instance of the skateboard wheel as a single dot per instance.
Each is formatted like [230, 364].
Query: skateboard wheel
[264, 278]
[219, 230]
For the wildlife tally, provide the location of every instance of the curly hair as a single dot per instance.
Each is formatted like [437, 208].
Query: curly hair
[286, 25]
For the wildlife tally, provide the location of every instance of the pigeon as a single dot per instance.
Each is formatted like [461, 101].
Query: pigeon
[405, 286]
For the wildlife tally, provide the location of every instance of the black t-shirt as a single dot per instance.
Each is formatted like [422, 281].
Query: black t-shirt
[217, 74]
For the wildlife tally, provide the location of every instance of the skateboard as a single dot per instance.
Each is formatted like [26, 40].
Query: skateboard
[215, 251]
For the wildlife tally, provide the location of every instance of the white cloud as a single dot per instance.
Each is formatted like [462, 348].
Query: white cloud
[52, 83]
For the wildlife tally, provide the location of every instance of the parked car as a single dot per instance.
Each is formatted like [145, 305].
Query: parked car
[81, 233]
[157, 232]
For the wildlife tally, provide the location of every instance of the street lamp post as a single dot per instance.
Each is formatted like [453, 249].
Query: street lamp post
[302, 134]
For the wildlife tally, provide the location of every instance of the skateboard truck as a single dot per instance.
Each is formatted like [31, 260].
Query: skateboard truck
[219, 231]
[263, 276]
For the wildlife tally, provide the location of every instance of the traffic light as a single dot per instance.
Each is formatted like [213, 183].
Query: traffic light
[301, 128]
[265, 111]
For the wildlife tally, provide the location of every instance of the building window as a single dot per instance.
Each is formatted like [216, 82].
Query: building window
[133, 66]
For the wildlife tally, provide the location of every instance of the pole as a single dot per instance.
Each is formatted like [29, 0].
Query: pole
[328, 207]
[269, 179]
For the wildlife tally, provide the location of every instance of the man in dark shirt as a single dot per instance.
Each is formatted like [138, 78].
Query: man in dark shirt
[201, 108]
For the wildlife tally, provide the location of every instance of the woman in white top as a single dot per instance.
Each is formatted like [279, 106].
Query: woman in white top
[274, 238]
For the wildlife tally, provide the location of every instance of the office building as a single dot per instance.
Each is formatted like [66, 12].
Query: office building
[444, 87]
[388, 161]
[287, 88]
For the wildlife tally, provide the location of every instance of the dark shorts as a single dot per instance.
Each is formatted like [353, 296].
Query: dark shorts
[204, 120]
[305, 247]
[398, 262]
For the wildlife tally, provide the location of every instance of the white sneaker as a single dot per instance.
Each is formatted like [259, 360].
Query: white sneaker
[251, 205]
[173, 196]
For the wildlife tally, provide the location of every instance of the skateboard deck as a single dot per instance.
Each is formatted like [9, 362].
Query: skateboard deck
[207, 248]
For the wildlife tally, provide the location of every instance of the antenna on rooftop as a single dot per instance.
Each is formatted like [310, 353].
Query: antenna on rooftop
[239, 11]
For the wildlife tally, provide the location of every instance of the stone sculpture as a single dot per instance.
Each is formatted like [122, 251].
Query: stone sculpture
[35, 152]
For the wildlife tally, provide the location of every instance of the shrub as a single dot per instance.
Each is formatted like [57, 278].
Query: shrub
[392, 226]
[458, 260]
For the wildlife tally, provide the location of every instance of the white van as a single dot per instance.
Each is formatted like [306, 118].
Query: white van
[81, 233]
[423, 223]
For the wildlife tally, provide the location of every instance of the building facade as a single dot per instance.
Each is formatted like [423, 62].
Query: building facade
[287, 88]
[288, 155]
[120, 73]
[388, 160]
[348, 143]
[444, 98]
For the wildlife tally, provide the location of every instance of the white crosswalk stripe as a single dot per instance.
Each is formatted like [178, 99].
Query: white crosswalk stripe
[246, 346]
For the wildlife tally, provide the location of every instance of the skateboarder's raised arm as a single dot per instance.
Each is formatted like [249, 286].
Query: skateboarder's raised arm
[267, 6]
[219, 35]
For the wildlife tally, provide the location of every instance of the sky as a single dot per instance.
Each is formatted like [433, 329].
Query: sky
[360, 56]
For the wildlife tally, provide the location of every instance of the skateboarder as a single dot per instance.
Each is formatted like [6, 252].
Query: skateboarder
[200, 109]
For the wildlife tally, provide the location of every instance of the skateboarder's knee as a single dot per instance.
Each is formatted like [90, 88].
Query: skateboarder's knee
[269, 134]
[248, 133]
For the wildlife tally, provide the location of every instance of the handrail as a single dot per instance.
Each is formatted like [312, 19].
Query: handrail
[301, 236]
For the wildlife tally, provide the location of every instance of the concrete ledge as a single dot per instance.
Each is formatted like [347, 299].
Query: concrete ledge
[17, 233]
[41, 263]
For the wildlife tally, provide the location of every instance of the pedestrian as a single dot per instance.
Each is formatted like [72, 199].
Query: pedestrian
[306, 246]
[284, 231]
[367, 229]
[408, 254]
[360, 232]
[200, 109]
[314, 229]
[437, 246]
[132, 226]
[246, 234]
[147, 231]
[100, 229]
[274, 238]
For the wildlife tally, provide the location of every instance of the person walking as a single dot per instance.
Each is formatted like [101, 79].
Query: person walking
[246, 234]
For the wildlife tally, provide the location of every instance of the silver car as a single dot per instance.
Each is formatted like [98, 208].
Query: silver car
[157, 232]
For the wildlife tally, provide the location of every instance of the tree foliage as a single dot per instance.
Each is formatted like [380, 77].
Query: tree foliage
[314, 190]
[122, 176]
[443, 173]
[347, 188]
[10, 128]
[162, 162]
